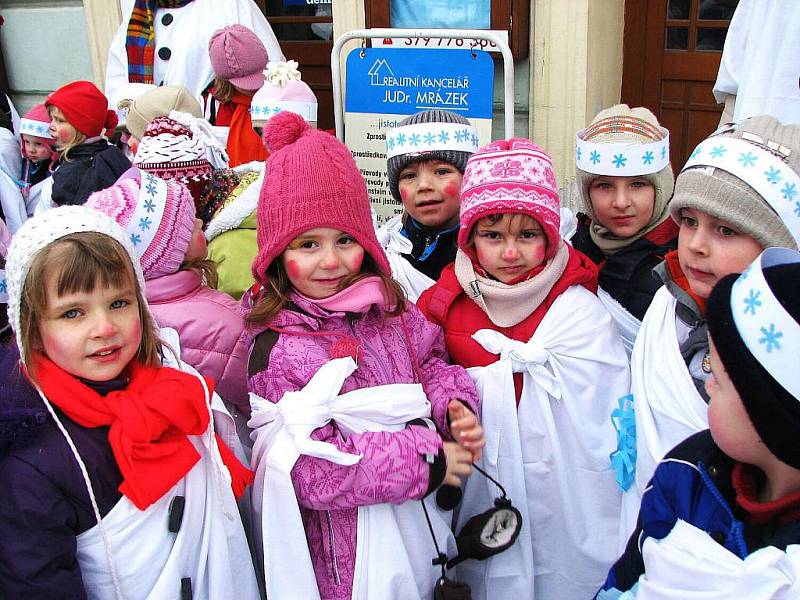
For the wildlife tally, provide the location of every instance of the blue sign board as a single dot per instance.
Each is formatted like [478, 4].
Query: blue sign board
[401, 81]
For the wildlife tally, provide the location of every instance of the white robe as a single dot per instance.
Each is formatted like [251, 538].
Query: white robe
[667, 406]
[551, 453]
[761, 60]
[187, 36]
[395, 244]
[10, 168]
[393, 545]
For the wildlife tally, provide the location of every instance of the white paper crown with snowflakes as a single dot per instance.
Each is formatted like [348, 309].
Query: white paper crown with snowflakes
[421, 138]
[622, 159]
[765, 326]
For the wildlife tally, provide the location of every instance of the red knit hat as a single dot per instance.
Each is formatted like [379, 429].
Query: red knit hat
[84, 106]
[311, 181]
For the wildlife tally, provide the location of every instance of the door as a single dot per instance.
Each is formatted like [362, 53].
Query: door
[671, 57]
[304, 30]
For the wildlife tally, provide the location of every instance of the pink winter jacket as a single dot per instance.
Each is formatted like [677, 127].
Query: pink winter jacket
[393, 468]
[210, 325]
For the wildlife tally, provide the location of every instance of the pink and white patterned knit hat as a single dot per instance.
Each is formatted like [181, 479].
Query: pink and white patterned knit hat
[510, 176]
[157, 215]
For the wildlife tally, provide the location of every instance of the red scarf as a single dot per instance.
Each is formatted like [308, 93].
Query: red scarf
[148, 423]
[680, 279]
[244, 145]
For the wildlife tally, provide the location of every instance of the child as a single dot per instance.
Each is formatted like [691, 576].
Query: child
[38, 155]
[734, 197]
[121, 490]
[740, 481]
[159, 218]
[158, 102]
[626, 230]
[426, 178]
[326, 293]
[239, 59]
[78, 115]
[231, 231]
[517, 290]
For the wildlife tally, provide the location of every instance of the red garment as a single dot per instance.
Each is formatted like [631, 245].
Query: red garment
[244, 145]
[147, 433]
[681, 281]
[745, 481]
[447, 305]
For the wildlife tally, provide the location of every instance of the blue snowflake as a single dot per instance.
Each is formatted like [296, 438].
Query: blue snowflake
[747, 159]
[151, 189]
[663, 152]
[136, 239]
[578, 153]
[771, 337]
[773, 175]
[797, 208]
[414, 139]
[460, 136]
[3, 286]
[401, 139]
[474, 140]
[276, 110]
[466, 134]
[444, 137]
[718, 151]
[429, 138]
[789, 191]
[594, 156]
[619, 160]
[149, 206]
[390, 143]
[743, 276]
[144, 223]
[695, 152]
[752, 302]
[647, 158]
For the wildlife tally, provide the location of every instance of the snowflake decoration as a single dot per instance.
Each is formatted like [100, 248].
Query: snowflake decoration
[619, 160]
[508, 168]
[444, 137]
[466, 134]
[743, 276]
[773, 175]
[647, 158]
[747, 159]
[594, 156]
[578, 153]
[718, 151]
[401, 139]
[414, 139]
[695, 152]
[460, 136]
[136, 239]
[151, 189]
[144, 223]
[474, 139]
[663, 152]
[390, 143]
[3, 286]
[276, 110]
[149, 206]
[430, 138]
[797, 208]
[752, 302]
[789, 191]
[771, 337]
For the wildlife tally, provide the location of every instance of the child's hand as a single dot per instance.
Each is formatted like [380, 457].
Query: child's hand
[459, 463]
[465, 428]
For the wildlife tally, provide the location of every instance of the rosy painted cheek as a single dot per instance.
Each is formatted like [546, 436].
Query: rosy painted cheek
[292, 269]
[451, 190]
[404, 194]
[538, 256]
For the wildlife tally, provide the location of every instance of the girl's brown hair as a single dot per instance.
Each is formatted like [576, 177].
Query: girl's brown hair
[207, 268]
[68, 145]
[275, 295]
[223, 90]
[80, 262]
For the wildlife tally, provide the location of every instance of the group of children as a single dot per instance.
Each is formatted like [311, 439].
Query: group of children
[196, 317]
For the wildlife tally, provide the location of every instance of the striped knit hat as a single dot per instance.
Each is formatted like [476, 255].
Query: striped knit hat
[158, 216]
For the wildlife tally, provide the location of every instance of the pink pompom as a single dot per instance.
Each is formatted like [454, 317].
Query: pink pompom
[283, 129]
[346, 346]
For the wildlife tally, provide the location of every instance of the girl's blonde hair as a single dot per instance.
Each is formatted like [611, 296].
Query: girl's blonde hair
[80, 262]
[223, 90]
[77, 139]
[275, 295]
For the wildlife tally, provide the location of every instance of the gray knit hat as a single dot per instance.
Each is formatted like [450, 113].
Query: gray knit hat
[733, 198]
[397, 163]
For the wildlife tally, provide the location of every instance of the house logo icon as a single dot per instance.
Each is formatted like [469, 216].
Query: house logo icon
[379, 71]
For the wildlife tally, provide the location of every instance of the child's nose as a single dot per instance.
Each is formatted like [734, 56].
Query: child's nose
[621, 199]
[510, 253]
[103, 325]
[330, 259]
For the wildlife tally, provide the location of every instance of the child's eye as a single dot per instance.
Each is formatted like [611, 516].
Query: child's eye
[688, 221]
[407, 176]
[72, 313]
[119, 303]
[726, 231]
[308, 244]
[530, 234]
[443, 171]
[490, 235]
[345, 240]
[639, 184]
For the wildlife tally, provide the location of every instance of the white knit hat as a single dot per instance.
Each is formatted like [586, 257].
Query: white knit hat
[42, 230]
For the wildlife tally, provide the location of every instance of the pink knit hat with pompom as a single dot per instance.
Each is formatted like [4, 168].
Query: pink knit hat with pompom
[158, 216]
[311, 181]
[510, 176]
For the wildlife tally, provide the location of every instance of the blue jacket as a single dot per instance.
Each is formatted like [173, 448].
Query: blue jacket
[693, 483]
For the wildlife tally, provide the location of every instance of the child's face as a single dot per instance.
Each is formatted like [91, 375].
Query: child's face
[197, 247]
[623, 205]
[728, 420]
[36, 148]
[430, 192]
[93, 335]
[60, 130]
[511, 247]
[317, 261]
[709, 249]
